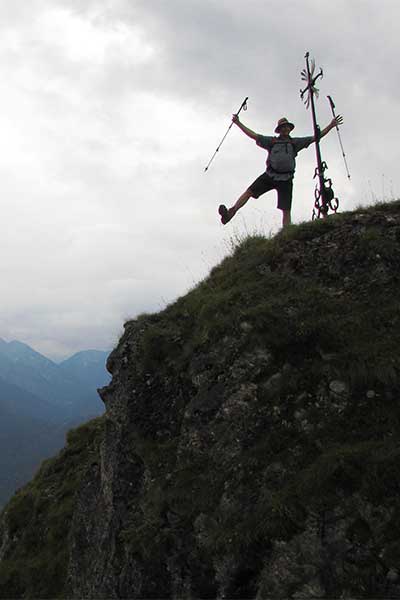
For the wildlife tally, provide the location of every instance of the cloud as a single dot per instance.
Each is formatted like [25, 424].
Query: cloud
[110, 111]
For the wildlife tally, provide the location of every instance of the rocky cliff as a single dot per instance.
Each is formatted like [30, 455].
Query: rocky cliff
[250, 446]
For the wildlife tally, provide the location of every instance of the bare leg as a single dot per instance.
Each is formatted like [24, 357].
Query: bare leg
[241, 201]
[286, 218]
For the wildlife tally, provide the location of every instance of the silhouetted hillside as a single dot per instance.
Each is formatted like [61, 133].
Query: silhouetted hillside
[250, 445]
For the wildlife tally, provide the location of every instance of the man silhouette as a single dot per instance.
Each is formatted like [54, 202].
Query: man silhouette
[281, 165]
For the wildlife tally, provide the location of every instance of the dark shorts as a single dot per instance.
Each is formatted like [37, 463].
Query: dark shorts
[265, 183]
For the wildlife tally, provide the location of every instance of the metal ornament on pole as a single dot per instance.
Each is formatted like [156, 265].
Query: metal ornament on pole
[242, 106]
[324, 196]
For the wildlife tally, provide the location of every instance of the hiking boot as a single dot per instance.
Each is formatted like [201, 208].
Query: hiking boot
[226, 214]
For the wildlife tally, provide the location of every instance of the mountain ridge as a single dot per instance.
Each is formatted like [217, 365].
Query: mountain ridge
[39, 402]
[23, 366]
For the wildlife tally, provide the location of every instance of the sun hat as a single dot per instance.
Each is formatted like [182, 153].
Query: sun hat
[281, 122]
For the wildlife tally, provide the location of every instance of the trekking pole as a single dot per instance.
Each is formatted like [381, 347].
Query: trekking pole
[338, 132]
[244, 106]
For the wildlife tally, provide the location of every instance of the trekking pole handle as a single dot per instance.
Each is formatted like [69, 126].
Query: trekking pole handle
[243, 105]
[332, 104]
[332, 107]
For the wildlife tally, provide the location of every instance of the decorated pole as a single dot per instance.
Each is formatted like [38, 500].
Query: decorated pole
[324, 196]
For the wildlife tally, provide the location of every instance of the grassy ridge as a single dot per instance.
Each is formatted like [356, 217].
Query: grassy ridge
[294, 309]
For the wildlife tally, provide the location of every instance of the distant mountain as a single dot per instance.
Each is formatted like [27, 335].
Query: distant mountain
[14, 400]
[70, 391]
[39, 402]
[88, 366]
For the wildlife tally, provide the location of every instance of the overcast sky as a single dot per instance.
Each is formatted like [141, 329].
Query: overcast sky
[111, 109]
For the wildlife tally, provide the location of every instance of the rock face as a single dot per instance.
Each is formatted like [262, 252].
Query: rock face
[250, 443]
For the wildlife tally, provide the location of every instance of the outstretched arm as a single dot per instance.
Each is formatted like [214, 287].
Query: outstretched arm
[251, 134]
[338, 120]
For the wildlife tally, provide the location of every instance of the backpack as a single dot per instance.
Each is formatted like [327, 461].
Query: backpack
[282, 156]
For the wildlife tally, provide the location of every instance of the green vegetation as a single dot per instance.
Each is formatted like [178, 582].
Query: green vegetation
[38, 519]
[291, 306]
